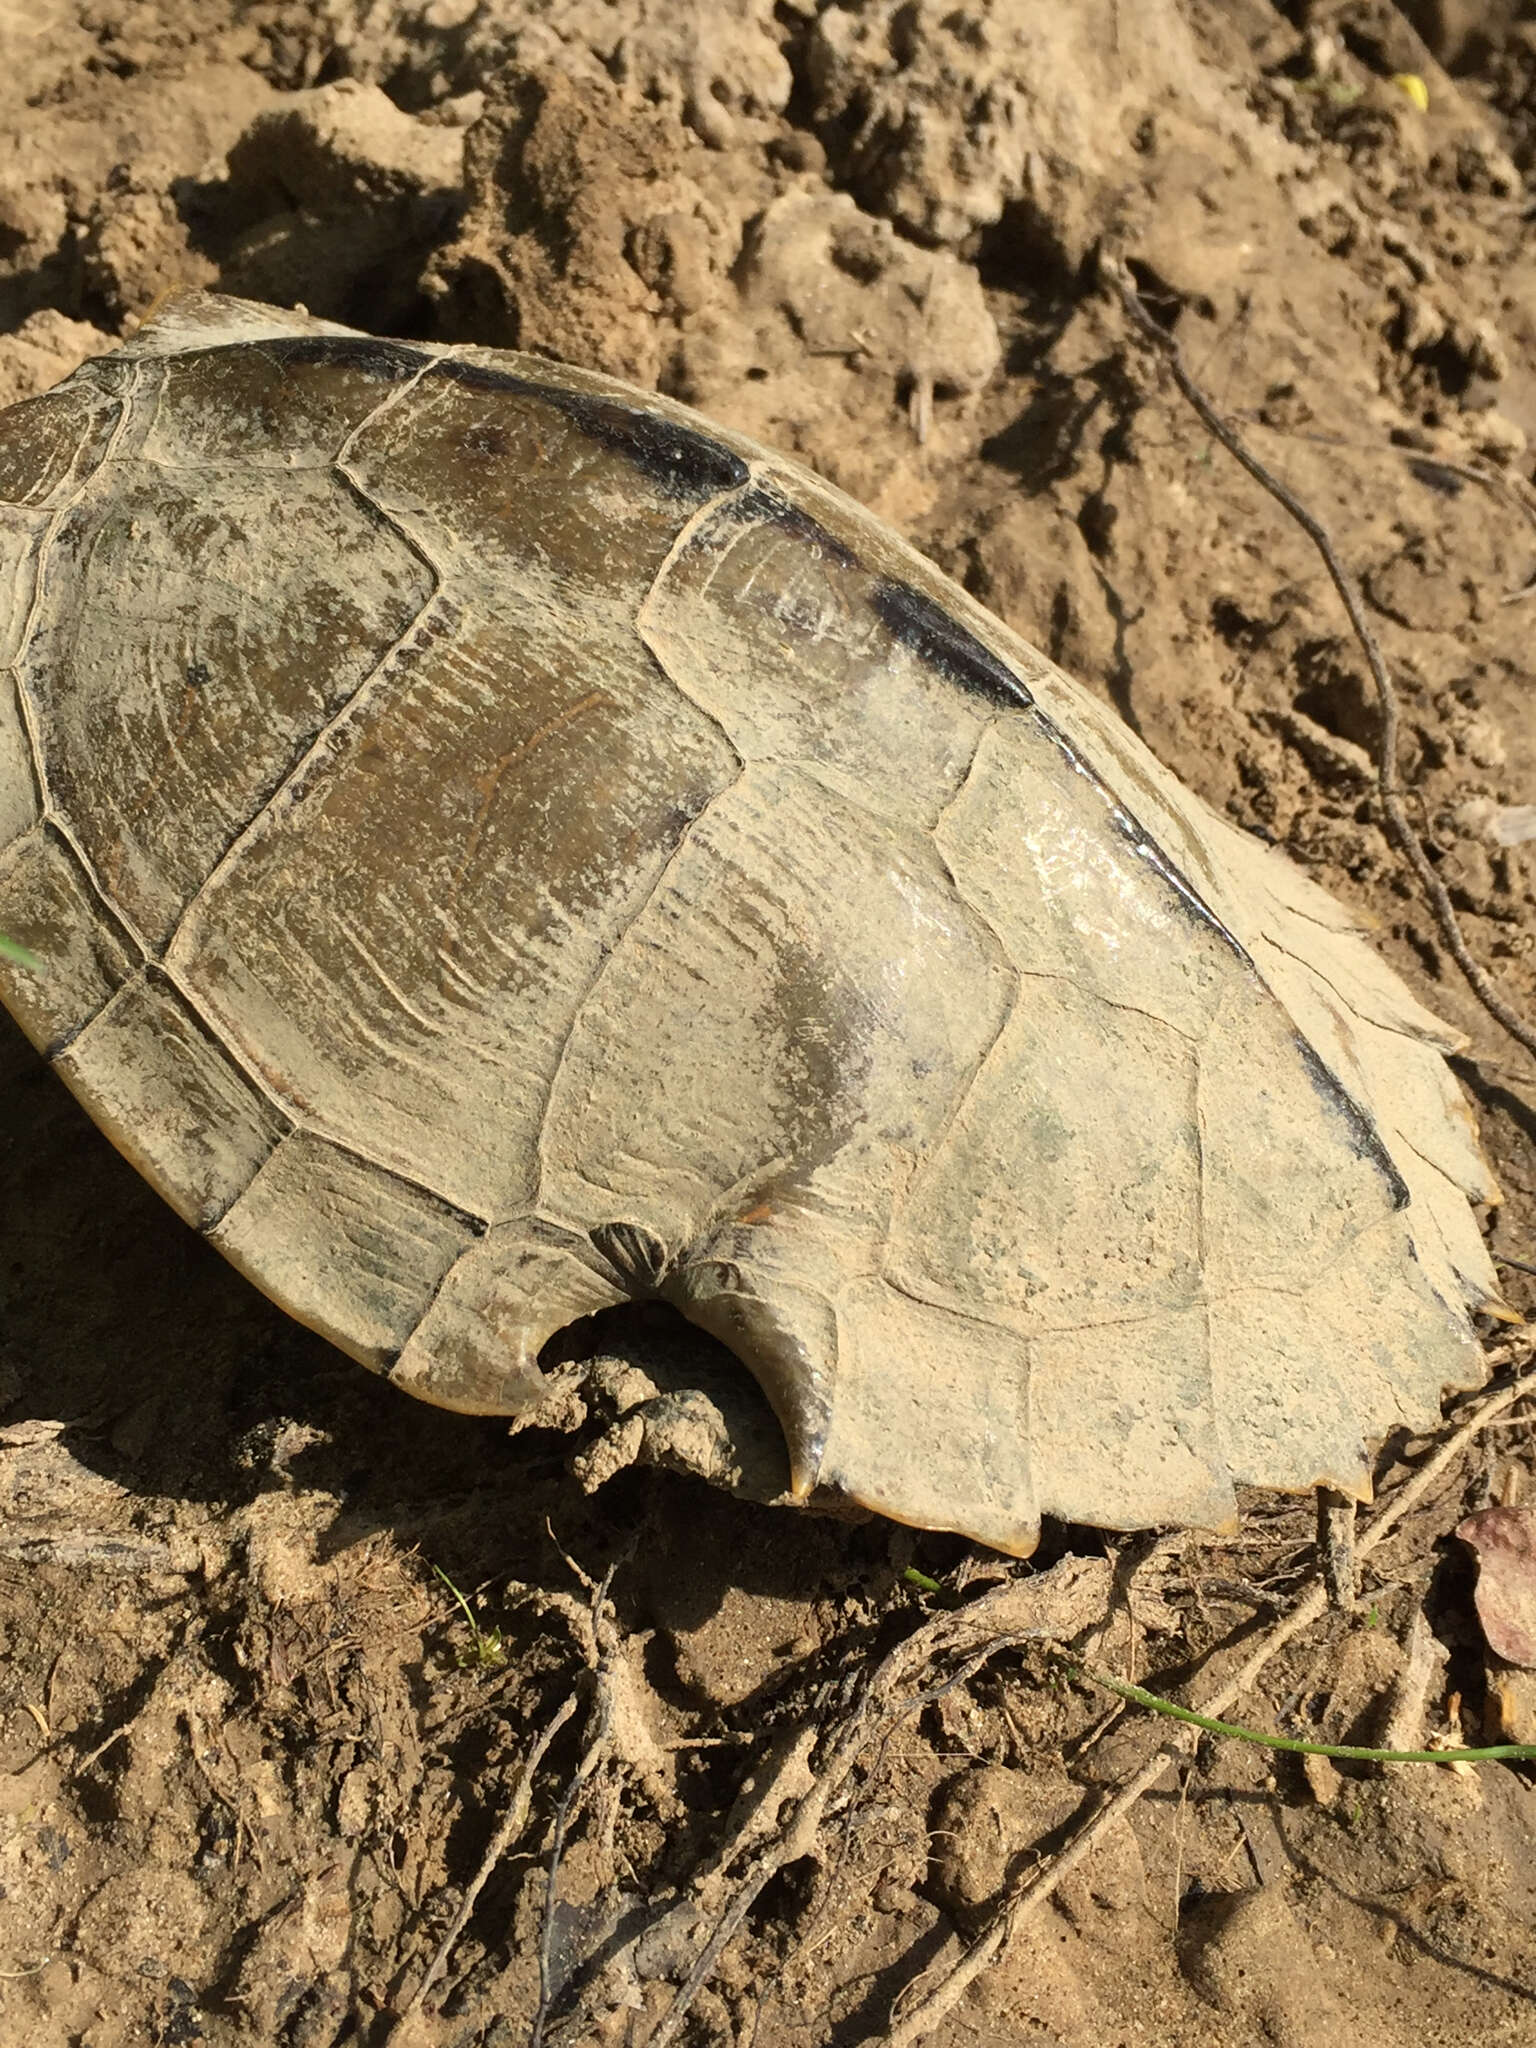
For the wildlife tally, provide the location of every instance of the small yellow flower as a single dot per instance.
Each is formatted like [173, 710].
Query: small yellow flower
[1412, 87]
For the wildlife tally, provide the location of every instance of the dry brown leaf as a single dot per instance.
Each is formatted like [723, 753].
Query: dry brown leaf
[1504, 1540]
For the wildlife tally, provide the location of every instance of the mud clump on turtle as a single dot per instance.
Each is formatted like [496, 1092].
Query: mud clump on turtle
[502, 847]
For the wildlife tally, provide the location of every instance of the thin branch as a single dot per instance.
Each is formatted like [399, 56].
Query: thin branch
[605, 1644]
[1388, 783]
[511, 1827]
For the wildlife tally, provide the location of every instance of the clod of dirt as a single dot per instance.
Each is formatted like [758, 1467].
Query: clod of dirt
[1504, 1542]
[589, 212]
[681, 1429]
[1246, 1954]
[44, 349]
[281, 1532]
[987, 1820]
[716, 64]
[848, 284]
[1500, 824]
[338, 187]
[676, 1401]
[945, 118]
[982, 1821]
[91, 204]
[132, 244]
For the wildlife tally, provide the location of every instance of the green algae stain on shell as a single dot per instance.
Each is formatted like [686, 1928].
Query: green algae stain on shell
[503, 846]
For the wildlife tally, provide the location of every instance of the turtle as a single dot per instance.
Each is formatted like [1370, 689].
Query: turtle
[496, 846]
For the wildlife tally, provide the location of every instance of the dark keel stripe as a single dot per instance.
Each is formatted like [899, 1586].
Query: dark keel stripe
[1364, 1138]
[764, 503]
[931, 632]
[685, 461]
[387, 362]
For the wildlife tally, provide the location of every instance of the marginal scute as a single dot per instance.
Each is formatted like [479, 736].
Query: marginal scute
[1290, 1403]
[172, 1100]
[582, 857]
[1304, 1376]
[476, 1347]
[1135, 1397]
[758, 1305]
[49, 906]
[352, 1250]
[969, 1414]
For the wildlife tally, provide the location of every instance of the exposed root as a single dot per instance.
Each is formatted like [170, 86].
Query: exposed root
[512, 1825]
[1389, 789]
[606, 1642]
[599, 1639]
[810, 1768]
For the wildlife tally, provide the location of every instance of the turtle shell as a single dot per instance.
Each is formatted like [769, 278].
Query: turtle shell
[500, 846]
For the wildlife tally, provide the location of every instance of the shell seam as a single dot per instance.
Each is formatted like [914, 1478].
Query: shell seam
[683, 537]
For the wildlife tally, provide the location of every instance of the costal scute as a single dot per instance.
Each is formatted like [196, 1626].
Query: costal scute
[501, 846]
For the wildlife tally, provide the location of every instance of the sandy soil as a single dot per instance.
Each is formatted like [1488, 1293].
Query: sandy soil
[251, 1749]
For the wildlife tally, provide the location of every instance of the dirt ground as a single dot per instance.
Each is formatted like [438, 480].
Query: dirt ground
[252, 1746]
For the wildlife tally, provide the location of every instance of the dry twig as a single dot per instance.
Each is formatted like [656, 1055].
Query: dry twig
[605, 1643]
[1388, 786]
[511, 1827]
